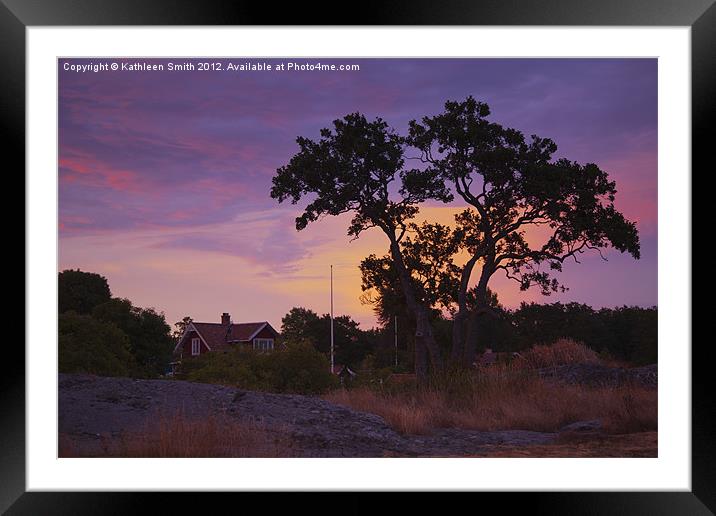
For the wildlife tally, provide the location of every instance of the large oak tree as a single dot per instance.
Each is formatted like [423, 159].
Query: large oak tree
[514, 186]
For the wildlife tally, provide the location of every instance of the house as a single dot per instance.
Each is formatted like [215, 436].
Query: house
[203, 337]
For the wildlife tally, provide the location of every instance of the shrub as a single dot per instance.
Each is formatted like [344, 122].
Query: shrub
[296, 369]
[563, 351]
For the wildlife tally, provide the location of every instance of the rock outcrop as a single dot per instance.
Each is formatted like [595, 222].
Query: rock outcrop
[92, 407]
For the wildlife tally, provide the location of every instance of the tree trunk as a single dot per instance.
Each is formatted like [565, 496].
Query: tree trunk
[421, 361]
[459, 333]
[424, 332]
[458, 337]
[470, 346]
[424, 337]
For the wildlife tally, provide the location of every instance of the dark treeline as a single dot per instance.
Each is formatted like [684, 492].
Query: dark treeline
[627, 334]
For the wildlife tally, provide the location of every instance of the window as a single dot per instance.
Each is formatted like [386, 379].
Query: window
[195, 346]
[263, 344]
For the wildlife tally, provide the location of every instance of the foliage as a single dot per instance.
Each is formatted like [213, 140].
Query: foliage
[349, 170]
[624, 333]
[627, 333]
[149, 334]
[428, 251]
[633, 332]
[513, 186]
[297, 369]
[143, 331]
[87, 345]
[561, 352]
[81, 291]
[180, 327]
[351, 344]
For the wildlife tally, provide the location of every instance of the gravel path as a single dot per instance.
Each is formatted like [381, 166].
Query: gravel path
[91, 407]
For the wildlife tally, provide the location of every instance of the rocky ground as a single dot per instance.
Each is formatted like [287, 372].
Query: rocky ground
[94, 408]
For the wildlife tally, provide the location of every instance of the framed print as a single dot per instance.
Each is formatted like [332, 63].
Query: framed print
[434, 251]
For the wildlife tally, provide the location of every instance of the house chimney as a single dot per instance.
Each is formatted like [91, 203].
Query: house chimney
[225, 319]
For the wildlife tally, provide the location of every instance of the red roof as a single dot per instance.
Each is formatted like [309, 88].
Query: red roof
[218, 335]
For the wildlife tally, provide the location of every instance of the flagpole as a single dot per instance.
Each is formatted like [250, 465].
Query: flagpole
[396, 341]
[331, 318]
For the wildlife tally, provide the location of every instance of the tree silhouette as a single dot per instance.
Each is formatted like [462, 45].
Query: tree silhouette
[428, 251]
[350, 169]
[511, 186]
[181, 326]
[81, 291]
[304, 325]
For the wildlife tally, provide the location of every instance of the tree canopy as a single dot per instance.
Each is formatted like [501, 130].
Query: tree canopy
[513, 185]
[81, 291]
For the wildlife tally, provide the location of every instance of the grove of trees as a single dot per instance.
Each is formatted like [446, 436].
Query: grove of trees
[105, 335]
[351, 344]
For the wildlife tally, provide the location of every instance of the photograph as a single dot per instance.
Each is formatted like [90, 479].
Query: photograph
[310, 257]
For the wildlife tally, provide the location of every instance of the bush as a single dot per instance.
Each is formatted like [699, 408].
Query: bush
[561, 352]
[87, 345]
[297, 369]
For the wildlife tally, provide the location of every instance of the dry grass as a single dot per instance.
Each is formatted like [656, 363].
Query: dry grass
[177, 436]
[510, 396]
[407, 415]
[533, 405]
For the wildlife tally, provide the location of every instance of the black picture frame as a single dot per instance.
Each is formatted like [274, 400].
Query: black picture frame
[17, 15]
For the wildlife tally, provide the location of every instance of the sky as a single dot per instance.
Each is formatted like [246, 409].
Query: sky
[164, 175]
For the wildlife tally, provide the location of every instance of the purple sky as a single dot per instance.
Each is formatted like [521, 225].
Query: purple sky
[164, 176]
